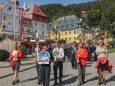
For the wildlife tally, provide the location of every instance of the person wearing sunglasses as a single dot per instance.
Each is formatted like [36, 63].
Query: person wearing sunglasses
[102, 64]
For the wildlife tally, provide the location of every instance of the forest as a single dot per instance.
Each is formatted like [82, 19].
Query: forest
[100, 13]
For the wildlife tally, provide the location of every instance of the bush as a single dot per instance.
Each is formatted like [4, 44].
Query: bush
[3, 55]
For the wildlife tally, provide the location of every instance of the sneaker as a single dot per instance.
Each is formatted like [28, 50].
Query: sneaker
[14, 82]
[60, 81]
[104, 82]
[99, 82]
[38, 83]
[18, 80]
[79, 85]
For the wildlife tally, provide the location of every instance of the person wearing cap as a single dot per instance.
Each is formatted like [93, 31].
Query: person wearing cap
[102, 64]
[58, 54]
[15, 60]
[81, 57]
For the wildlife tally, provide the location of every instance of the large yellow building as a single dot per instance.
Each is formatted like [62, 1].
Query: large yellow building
[70, 28]
[71, 35]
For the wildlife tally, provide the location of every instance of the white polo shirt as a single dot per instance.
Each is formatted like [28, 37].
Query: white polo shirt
[99, 49]
[59, 53]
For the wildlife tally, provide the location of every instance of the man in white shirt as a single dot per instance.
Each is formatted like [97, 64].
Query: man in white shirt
[58, 54]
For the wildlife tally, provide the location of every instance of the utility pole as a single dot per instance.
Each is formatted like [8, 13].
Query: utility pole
[15, 19]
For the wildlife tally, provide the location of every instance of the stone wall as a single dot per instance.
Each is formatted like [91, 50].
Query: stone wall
[6, 44]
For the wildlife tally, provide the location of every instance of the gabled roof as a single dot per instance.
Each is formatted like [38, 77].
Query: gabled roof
[67, 18]
[66, 22]
[36, 10]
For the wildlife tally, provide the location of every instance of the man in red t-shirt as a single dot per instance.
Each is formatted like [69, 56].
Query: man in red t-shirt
[81, 57]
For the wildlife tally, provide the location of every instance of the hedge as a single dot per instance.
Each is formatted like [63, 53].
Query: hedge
[4, 55]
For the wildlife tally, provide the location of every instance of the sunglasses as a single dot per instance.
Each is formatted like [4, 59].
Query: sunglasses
[100, 42]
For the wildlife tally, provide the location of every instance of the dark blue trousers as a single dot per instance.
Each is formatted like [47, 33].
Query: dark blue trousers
[45, 71]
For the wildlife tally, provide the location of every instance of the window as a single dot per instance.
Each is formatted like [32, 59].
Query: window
[4, 17]
[42, 32]
[75, 38]
[70, 39]
[25, 22]
[69, 32]
[62, 27]
[66, 38]
[28, 30]
[43, 18]
[35, 23]
[9, 23]
[59, 22]
[74, 32]
[72, 25]
[65, 33]
[78, 31]
[35, 31]
[37, 17]
[9, 8]
[4, 26]
[67, 26]
[43, 25]
[22, 29]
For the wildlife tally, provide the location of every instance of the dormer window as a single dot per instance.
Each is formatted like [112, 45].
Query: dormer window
[38, 10]
[9, 8]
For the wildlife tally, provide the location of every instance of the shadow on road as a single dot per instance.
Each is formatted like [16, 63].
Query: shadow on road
[69, 81]
[92, 79]
[24, 64]
[63, 77]
[27, 80]
[111, 79]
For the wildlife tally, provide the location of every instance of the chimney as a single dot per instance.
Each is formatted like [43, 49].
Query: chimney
[25, 6]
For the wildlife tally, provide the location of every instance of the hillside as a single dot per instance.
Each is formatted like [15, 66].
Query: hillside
[95, 11]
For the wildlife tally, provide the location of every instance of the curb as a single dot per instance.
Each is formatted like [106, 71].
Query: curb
[19, 71]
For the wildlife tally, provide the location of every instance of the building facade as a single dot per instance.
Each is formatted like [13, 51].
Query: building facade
[1, 7]
[28, 20]
[70, 28]
[8, 18]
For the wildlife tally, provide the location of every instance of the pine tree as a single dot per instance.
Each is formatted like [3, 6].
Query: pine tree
[104, 25]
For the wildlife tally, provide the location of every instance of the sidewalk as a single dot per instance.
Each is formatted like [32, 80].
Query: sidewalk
[6, 70]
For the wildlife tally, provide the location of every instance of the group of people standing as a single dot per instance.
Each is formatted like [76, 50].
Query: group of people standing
[77, 54]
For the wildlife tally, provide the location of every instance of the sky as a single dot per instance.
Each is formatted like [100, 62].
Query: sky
[64, 2]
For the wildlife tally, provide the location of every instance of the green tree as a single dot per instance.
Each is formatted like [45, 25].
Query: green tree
[104, 25]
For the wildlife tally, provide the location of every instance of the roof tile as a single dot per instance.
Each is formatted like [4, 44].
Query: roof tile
[36, 10]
